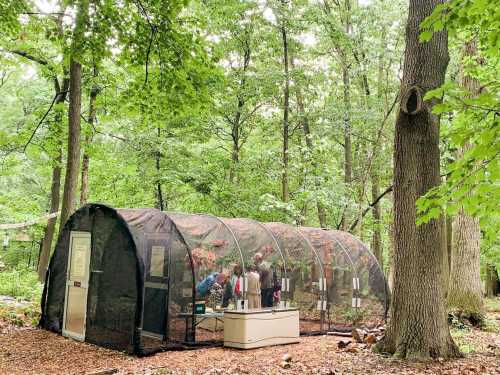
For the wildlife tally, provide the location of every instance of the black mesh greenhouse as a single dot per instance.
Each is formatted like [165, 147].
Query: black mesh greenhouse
[133, 279]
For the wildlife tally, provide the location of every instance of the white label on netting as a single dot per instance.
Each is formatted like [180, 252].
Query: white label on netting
[356, 302]
[284, 285]
[287, 285]
[322, 284]
[243, 284]
[355, 283]
[321, 305]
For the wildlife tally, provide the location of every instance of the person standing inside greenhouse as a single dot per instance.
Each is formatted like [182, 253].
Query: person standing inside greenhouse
[233, 288]
[266, 280]
[253, 288]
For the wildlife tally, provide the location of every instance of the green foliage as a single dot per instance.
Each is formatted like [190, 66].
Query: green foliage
[21, 283]
[354, 315]
[472, 176]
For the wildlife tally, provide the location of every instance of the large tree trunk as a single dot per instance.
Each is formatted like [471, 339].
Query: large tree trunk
[390, 272]
[74, 113]
[418, 328]
[84, 191]
[46, 247]
[449, 239]
[285, 191]
[465, 296]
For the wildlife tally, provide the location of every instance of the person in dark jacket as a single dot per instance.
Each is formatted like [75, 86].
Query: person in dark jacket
[266, 280]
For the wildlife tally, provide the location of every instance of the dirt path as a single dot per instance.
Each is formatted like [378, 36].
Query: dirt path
[34, 351]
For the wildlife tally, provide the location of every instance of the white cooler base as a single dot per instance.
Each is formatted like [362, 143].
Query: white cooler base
[258, 328]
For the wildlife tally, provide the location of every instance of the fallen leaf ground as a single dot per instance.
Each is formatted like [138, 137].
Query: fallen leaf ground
[29, 350]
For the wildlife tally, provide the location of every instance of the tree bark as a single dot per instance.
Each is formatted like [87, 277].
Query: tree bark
[236, 123]
[465, 296]
[449, 239]
[74, 113]
[347, 115]
[160, 204]
[55, 189]
[46, 246]
[491, 281]
[377, 216]
[347, 138]
[418, 328]
[84, 191]
[309, 144]
[390, 272]
[285, 193]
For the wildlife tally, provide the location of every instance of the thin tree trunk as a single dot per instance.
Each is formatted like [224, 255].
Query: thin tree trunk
[236, 124]
[491, 281]
[48, 235]
[160, 204]
[74, 113]
[308, 139]
[84, 191]
[347, 138]
[465, 295]
[347, 115]
[46, 246]
[418, 328]
[285, 193]
[377, 216]
[55, 189]
[235, 137]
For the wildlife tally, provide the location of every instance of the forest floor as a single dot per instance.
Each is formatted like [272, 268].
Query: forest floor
[28, 350]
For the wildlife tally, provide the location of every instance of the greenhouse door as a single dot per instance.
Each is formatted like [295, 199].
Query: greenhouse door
[77, 284]
[156, 287]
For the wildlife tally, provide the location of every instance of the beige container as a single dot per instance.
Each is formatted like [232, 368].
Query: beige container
[257, 328]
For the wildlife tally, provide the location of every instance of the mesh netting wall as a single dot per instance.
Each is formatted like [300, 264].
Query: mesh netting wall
[148, 269]
[334, 279]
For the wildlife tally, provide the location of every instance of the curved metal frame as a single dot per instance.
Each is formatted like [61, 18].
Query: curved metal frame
[274, 240]
[386, 287]
[322, 322]
[232, 234]
[220, 221]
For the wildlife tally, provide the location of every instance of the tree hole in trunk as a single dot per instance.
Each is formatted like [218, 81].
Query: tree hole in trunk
[412, 102]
